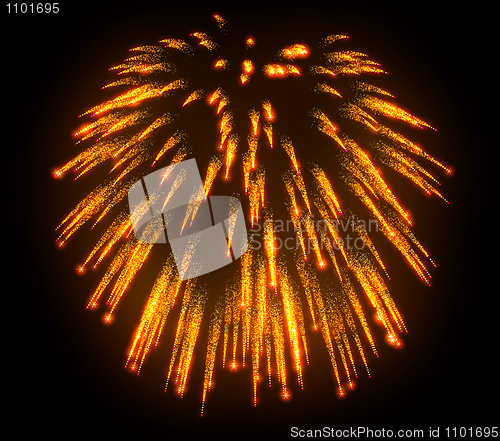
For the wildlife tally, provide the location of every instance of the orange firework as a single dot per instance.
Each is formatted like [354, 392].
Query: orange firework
[258, 321]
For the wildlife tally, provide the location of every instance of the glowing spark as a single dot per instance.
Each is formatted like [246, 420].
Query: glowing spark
[249, 43]
[175, 43]
[270, 248]
[175, 139]
[294, 51]
[326, 126]
[391, 110]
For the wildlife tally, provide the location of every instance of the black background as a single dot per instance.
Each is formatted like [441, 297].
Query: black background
[65, 366]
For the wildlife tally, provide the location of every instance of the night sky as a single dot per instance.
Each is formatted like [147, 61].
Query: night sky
[66, 367]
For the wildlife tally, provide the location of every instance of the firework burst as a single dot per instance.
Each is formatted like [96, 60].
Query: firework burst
[274, 294]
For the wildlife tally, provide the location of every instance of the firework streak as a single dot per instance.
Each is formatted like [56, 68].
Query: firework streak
[261, 320]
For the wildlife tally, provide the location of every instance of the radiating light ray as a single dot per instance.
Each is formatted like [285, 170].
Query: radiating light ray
[392, 233]
[98, 153]
[339, 244]
[351, 63]
[152, 49]
[293, 319]
[194, 96]
[254, 119]
[409, 168]
[310, 280]
[213, 339]
[287, 145]
[171, 142]
[268, 130]
[391, 110]
[326, 88]
[326, 190]
[188, 328]
[161, 300]
[179, 156]
[366, 87]
[226, 126]
[135, 97]
[175, 43]
[120, 228]
[142, 68]
[234, 206]
[376, 292]
[407, 144]
[288, 181]
[313, 239]
[369, 243]
[277, 330]
[127, 81]
[85, 210]
[360, 165]
[256, 193]
[232, 146]
[329, 248]
[321, 70]
[337, 329]
[179, 179]
[253, 143]
[355, 113]
[246, 301]
[301, 186]
[134, 263]
[326, 126]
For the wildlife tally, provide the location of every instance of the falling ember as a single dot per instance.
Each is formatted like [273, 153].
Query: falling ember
[258, 322]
